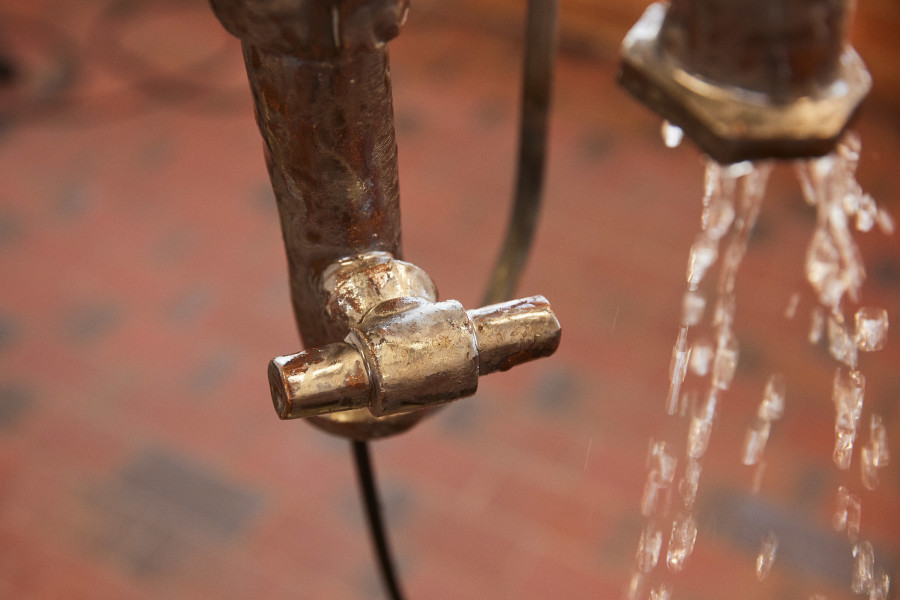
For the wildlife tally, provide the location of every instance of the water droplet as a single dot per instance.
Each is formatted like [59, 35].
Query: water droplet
[875, 455]
[885, 222]
[661, 466]
[766, 556]
[881, 586]
[867, 469]
[866, 212]
[755, 441]
[702, 354]
[635, 585]
[863, 568]
[692, 307]
[823, 267]
[677, 368]
[690, 482]
[756, 484]
[701, 428]
[841, 344]
[681, 541]
[816, 325]
[671, 134]
[871, 328]
[772, 406]
[790, 311]
[703, 254]
[843, 447]
[847, 396]
[738, 169]
[663, 592]
[648, 548]
[878, 441]
[725, 362]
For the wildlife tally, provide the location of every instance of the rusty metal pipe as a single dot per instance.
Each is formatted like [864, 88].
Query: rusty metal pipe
[320, 79]
[328, 131]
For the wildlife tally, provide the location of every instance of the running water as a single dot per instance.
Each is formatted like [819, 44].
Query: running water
[766, 556]
[835, 271]
[833, 266]
[731, 204]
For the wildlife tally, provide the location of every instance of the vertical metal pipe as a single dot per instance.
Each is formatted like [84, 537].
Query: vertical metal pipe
[782, 48]
[321, 85]
[328, 130]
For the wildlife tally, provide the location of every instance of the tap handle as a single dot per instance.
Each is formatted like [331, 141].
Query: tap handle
[411, 353]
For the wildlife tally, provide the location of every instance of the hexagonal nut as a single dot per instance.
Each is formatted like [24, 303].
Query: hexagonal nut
[732, 124]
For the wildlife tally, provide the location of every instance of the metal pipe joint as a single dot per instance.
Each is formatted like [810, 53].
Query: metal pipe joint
[380, 345]
[405, 351]
[748, 79]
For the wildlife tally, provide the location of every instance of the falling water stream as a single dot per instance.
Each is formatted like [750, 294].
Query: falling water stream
[706, 346]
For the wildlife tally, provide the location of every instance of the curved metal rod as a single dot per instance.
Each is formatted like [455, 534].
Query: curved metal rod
[367, 486]
[540, 46]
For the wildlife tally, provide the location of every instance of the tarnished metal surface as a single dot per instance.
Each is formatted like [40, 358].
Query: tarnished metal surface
[514, 332]
[313, 29]
[356, 285]
[324, 380]
[332, 158]
[320, 79]
[781, 48]
[420, 354]
[790, 92]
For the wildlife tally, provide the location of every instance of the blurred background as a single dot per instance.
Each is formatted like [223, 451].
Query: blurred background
[143, 289]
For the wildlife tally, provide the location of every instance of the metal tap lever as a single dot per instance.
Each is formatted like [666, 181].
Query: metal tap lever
[411, 353]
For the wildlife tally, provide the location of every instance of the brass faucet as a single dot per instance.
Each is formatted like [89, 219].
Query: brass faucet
[380, 347]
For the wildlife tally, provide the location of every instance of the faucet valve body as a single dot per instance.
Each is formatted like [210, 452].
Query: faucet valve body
[382, 345]
[408, 353]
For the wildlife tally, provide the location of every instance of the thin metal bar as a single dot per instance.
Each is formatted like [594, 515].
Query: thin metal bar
[366, 477]
[540, 47]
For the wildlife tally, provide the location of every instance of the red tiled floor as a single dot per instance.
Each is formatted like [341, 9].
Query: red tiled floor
[144, 290]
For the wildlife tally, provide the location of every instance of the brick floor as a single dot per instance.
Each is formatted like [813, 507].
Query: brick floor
[143, 290]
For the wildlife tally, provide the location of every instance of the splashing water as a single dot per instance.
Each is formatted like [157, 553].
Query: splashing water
[871, 328]
[847, 514]
[835, 271]
[833, 267]
[663, 592]
[671, 134]
[731, 203]
[660, 474]
[681, 541]
[649, 548]
[766, 557]
[875, 455]
[863, 568]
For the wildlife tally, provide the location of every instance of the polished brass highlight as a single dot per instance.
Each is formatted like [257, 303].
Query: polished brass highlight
[405, 353]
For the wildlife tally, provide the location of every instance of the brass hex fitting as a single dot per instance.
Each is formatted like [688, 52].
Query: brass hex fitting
[791, 98]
